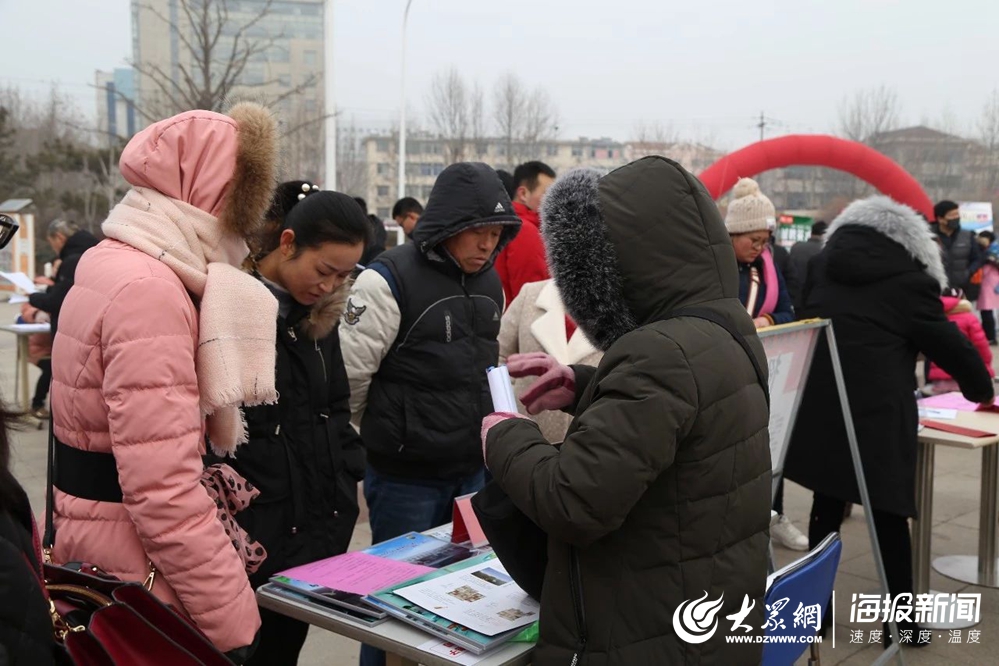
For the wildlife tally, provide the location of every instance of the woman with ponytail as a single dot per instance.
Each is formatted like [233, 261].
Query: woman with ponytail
[303, 456]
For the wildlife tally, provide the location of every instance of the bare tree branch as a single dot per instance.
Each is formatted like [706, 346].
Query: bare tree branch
[868, 114]
[540, 122]
[477, 120]
[654, 134]
[509, 112]
[216, 52]
[447, 106]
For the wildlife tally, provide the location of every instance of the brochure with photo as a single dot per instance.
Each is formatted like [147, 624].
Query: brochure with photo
[482, 597]
[420, 549]
[428, 621]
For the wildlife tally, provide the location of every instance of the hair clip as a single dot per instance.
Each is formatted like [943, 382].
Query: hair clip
[307, 188]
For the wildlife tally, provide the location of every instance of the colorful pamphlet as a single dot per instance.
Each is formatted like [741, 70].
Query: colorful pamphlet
[341, 581]
[356, 572]
[424, 619]
[482, 597]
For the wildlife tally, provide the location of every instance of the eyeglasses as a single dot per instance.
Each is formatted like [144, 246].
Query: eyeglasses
[757, 244]
[8, 227]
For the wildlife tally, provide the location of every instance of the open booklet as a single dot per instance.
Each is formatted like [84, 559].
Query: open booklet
[427, 620]
[482, 597]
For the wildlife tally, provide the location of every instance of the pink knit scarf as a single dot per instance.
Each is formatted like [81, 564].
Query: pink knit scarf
[771, 281]
[236, 313]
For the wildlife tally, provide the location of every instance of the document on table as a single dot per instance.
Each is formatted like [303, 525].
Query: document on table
[357, 572]
[937, 413]
[451, 652]
[21, 281]
[483, 598]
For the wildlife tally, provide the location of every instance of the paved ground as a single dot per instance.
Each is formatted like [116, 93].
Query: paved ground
[955, 531]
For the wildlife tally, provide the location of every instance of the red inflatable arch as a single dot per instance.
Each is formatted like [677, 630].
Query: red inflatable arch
[818, 150]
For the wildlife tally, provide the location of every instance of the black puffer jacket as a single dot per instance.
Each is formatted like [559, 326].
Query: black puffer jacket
[51, 299]
[879, 280]
[661, 492]
[25, 627]
[303, 454]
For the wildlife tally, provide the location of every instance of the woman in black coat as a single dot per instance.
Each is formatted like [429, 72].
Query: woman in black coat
[879, 279]
[303, 455]
[25, 626]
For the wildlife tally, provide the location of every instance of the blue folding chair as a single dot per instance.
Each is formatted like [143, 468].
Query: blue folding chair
[808, 581]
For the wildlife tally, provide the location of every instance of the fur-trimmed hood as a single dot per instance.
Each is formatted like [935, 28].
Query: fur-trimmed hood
[895, 222]
[221, 164]
[627, 248]
[325, 314]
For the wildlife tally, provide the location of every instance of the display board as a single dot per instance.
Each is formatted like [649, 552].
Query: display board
[789, 350]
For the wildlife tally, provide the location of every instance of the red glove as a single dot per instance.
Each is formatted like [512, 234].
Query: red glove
[491, 420]
[555, 387]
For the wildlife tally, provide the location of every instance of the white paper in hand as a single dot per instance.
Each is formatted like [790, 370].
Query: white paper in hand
[501, 390]
[21, 281]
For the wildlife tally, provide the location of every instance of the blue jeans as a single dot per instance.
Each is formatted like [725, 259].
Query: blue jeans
[397, 506]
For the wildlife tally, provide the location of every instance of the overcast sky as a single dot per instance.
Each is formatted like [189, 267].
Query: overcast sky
[705, 67]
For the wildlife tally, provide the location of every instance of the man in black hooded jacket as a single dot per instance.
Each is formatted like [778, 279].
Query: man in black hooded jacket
[419, 332]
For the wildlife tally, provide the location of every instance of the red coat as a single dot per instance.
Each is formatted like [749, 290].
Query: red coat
[959, 311]
[523, 260]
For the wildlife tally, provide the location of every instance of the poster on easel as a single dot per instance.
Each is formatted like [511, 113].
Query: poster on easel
[789, 350]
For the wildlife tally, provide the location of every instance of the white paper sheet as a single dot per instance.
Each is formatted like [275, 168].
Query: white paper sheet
[938, 413]
[451, 652]
[501, 390]
[483, 598]
[17, 299]
[21, 281]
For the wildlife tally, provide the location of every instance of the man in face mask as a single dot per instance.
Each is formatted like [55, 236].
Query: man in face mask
[962, 255]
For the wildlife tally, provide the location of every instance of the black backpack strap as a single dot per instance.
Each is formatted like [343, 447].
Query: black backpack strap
[715, 318]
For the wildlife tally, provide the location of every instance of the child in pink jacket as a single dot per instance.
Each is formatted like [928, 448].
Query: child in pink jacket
[160, 340]
[960, 312]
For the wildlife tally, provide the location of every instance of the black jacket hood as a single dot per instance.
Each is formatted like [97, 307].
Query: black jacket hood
[77, 244]
[627, 248]
[877, 238]
[466, 195]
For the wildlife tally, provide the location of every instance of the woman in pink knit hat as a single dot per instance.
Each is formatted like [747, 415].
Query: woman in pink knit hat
[160, 341]
[750, 219]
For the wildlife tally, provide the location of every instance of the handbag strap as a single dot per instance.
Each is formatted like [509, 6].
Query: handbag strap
[715, 318]
[48, 538]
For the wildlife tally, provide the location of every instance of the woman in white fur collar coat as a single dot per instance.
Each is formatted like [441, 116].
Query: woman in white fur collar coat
[536, 321]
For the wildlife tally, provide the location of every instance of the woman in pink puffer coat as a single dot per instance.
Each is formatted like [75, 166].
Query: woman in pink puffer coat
[159, 341]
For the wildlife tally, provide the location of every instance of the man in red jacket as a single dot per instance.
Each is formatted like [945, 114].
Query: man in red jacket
[523, 260]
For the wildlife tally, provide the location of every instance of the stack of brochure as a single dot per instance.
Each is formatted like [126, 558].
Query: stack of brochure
[473, 603]
[336, 586]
